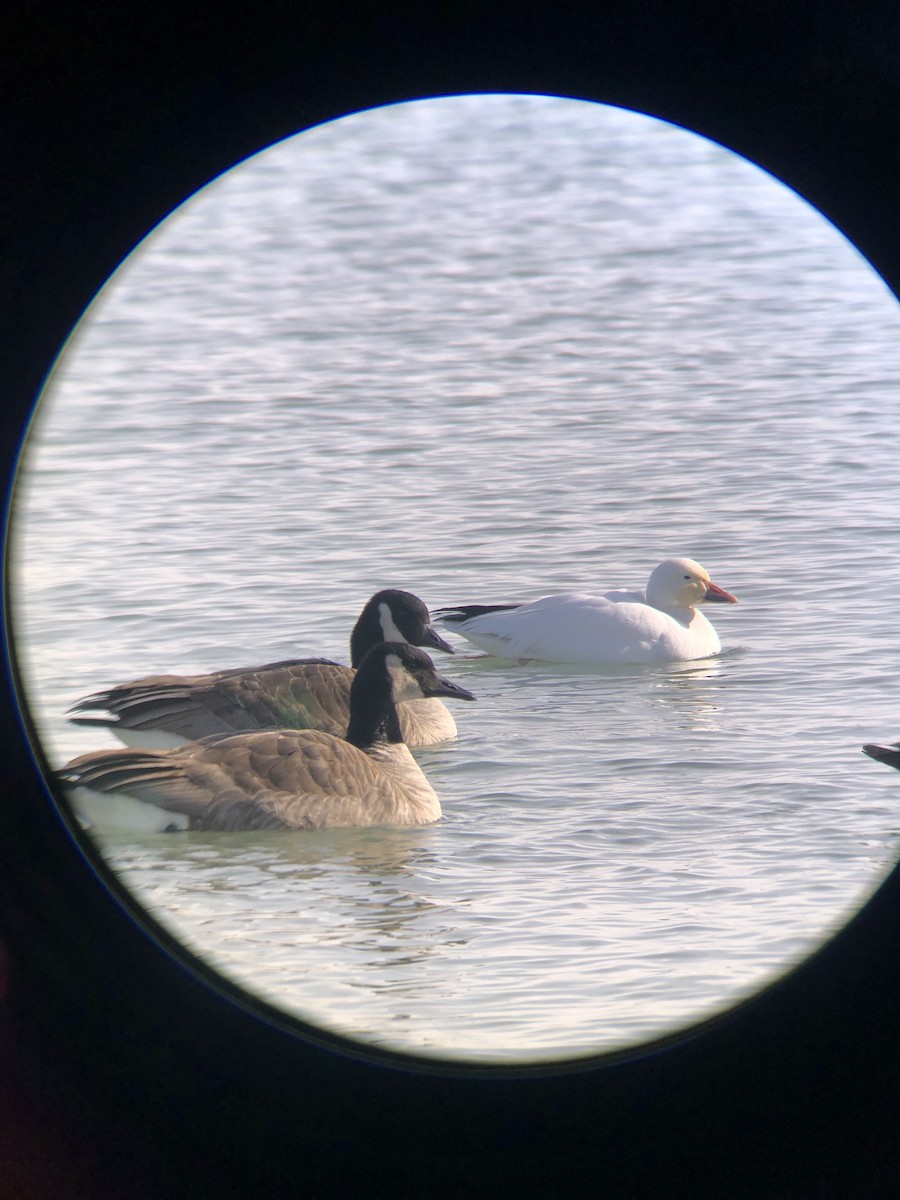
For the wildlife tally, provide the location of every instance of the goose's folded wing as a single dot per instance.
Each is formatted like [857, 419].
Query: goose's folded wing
[304, 694]
[554, 627]
[273, 779]
[573, 627]
[297, 694]
[163, 778]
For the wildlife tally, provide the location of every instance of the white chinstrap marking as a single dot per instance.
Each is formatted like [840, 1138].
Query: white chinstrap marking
[388, 626]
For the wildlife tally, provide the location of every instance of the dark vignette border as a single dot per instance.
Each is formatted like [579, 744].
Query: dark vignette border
[126, 1074]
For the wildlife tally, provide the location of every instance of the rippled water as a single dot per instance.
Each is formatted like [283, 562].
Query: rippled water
[484, 348]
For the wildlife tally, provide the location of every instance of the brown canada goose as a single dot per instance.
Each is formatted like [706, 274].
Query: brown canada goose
[278, 778]
[160, 711]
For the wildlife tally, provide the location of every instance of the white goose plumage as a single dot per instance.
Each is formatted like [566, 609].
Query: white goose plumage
[278, 778]
[659, 624]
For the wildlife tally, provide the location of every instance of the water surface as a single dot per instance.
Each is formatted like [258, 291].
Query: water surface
[485, 348]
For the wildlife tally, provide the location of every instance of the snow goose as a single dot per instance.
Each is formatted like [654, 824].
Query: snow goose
[160, 711]
[278, 778]
[886, 754]
[660, 624]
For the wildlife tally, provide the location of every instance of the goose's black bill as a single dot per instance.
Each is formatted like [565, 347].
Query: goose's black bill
[432, 638]
[446, 687]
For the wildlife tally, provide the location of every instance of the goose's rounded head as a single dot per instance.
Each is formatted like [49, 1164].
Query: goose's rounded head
[392, 615]
[390, 673]
[682, 583]
[413, 676]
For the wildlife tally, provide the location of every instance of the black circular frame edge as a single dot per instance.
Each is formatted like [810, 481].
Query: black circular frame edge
[150, 1080]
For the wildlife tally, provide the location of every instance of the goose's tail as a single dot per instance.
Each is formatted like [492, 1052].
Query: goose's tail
[461, 613]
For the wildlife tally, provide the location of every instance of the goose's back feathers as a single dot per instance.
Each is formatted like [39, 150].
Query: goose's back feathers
[281, 778]
[575, 628]
[272, 779]
[310, 693]
[307, 693]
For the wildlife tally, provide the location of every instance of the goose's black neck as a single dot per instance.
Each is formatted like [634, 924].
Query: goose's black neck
[373, 713]
[367, 632]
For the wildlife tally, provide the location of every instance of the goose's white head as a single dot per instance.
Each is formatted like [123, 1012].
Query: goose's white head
[682, 583]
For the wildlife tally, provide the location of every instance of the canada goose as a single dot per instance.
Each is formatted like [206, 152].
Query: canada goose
[160, 711]
[659, 624]
[278, 778]
[886, 754]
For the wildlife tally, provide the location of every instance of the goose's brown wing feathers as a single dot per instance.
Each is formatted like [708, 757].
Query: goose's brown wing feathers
[296, 694]
[271, 779]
